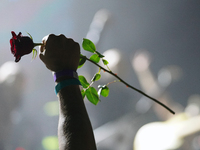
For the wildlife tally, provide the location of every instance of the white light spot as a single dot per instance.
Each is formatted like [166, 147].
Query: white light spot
[164, 77]
[112, 56]
[141, 61]
[8, 71]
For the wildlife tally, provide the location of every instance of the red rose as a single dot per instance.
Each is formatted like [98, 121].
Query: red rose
[21, 45]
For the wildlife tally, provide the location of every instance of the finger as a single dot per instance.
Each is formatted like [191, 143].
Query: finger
[48, 38]
[45, 61]
[42, 47]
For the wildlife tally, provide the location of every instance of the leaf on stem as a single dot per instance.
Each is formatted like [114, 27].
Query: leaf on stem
[96, 77]
[95, 58]
[81, 61]
[105, 62]
[34, 53]
[92, 95]
[100, 55]
[30, 35]
[88, 45]
[83, 81]
[83, 93]
[103, 90]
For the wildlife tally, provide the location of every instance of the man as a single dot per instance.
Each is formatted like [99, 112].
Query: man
[61, 56]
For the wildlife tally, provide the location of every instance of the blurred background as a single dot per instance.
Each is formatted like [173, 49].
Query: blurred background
[151, 44]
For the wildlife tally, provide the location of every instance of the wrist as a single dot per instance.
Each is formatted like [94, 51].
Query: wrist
[65, 83]
[65, 78]
[64, 74]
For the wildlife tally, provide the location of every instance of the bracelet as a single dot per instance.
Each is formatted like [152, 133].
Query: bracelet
[66, 83]
[62, 73]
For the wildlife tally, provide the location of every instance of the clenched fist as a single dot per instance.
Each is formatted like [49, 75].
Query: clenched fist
[59, 52]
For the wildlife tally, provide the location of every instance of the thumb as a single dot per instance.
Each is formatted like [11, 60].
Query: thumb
[45, 61]
[43, 58]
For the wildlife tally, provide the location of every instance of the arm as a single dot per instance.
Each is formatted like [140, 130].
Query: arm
[74, 127]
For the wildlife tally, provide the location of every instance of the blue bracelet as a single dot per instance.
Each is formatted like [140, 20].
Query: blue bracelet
[65, 83]
[62, 73]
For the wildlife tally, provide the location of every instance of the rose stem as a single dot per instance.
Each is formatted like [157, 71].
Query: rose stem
[128, 85]
[38, 44]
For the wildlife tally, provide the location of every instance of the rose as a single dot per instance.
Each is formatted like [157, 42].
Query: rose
[21, 45]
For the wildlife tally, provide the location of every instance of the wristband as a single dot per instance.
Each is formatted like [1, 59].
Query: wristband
[62, 73]
[66, 83]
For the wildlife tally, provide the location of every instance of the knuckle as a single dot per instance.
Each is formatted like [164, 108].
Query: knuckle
[70, 40]
[62, 36]
[76, 44]
[51, 35]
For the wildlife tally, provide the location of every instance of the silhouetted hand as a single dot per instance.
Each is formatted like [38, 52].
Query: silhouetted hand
[59, 53]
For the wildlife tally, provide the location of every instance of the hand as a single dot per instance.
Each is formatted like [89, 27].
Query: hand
[60, 53]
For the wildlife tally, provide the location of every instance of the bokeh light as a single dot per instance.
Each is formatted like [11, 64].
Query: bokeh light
[19, 148]
[51, 108]
[113, 57]
[141, 60]
[50, 143]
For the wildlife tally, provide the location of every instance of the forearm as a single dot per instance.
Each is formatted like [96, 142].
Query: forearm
[74, 128]
[60, 55]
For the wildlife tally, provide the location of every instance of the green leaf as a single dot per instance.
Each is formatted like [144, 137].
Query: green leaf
[92, 95]
[34, 53]
[83, 93]
[105, 62]
[100, 55]
[30, 35]
[103, 90]
[88, 45]
[83, 81]
[81, 61]
[96, 77]
[95, 58]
